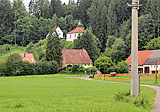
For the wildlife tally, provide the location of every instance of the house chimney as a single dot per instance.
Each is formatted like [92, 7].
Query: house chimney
[24, 54]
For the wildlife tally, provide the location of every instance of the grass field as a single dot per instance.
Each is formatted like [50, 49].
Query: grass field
[57, 93]
[13, 50]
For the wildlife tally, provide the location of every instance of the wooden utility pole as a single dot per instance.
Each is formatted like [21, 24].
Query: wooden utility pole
[134, 50]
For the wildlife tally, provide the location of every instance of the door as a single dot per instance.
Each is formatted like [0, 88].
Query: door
[146, 69]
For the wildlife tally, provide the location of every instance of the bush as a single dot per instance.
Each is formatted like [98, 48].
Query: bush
[81, 69]
[2, 49]
[122, 67]
[2, 67]
[141, 100]
[93, 70]
[103, 63]
[7, 47]
[45, 67]
[75, 68]
[15, 66]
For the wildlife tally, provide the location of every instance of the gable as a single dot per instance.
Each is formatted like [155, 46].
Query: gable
[142, 57]
[74, 56]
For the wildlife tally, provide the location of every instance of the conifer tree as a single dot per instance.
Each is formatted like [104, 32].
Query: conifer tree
[88, 42]
[54, 49]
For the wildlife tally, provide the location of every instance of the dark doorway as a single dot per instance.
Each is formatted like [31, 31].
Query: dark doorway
[146, 69]
[140, 69]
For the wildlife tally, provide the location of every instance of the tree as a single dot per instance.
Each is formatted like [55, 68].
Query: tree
[82, 11]
[118, 50]
[2, 49]
[98, 21]
[13, 65]
[122, 67]
[2, 66]
[29, 46]
[87, 41]
[146, 30]
[54, 49]
[153, 44]
[68, 45]
[110, 41]
[107, 52]
[105, 63]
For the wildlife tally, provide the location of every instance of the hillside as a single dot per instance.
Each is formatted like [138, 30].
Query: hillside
[13, 50]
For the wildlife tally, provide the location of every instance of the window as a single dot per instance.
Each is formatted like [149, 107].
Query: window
[75, 36]
[32, 60]
[27, 59]
[70, 35]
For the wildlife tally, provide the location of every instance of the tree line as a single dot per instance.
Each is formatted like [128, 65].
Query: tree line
[109, 21]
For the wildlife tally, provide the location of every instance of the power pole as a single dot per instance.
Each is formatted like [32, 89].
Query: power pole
[134, 50]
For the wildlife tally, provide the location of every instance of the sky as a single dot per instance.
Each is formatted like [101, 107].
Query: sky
[26, 2]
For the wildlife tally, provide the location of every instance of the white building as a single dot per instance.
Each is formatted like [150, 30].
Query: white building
[148, 61]
[74, 33]
[59, 32]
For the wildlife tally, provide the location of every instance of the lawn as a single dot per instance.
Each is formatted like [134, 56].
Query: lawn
[13, 50]
[57, 93]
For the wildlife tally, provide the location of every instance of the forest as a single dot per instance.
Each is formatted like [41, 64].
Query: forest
[108, 23]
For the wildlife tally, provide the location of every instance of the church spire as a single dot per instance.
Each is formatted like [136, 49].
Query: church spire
[79, 24]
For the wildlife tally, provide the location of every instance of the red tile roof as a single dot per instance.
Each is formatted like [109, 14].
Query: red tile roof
[77, 30]
[74, 56]
[142, 57]
[28, 57]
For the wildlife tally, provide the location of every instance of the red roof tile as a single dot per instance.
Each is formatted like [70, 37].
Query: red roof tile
[76, 56]
[142, 57]
[28, 57]
[77, 30]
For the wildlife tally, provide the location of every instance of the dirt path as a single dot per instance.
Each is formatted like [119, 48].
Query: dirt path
[157, 88]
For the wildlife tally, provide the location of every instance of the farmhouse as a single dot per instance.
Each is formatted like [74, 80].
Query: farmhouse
[148, 61]
[74, 56]
[27, 57]
[59, 32]
[74, 33]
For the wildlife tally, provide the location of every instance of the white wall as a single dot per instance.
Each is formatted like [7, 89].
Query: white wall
[152, 68]
[72, 36]
[59, 32]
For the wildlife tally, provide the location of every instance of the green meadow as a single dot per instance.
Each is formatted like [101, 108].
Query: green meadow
[45, 93]
[13, 50]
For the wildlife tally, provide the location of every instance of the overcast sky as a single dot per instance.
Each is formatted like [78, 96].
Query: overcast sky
[26, 2]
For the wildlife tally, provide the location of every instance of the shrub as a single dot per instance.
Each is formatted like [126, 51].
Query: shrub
[45, 67]
[122, 67]
[13, 65]
[7, 47]
[141, 100]
[103, 63]
[93, 70]
[81, 69]
[2, 49]
[2, 67]
[75, 68]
